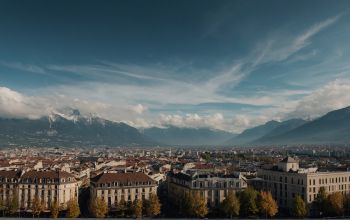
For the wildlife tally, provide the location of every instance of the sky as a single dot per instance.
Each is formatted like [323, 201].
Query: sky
[226, 65]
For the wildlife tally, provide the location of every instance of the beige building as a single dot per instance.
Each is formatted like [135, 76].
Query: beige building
[49, 186]
[214, 188]
[286, 180]
[112, 187]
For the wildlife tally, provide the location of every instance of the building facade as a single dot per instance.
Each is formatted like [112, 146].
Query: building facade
[48, 186]
[214, 188]
[113, 187]
[286, 180]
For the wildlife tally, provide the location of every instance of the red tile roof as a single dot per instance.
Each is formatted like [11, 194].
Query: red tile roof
[122, 178]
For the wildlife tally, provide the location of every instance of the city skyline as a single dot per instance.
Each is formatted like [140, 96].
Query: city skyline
[227, 65]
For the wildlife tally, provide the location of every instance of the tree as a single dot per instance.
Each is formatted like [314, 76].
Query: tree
[248, 200]
[129, 208]
[347, 204]
[321, 202]
[336, 203]
[231, 205]
[152, 206]
[55, 210]
[121, 207]
[2, 204]
[13, 204]
[195, 204]
[188, 203]
[268, 206]
[199, 208]
[37, 206]
[99, 208]
[73, 210]
[299, 207]
[137, 208]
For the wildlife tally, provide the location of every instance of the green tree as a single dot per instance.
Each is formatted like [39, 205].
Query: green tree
[55, 210]
[121, 207]
[37, 206]
[2, 205]
[231, 205]
[152, 206]
[321, 202]
[347, 204]
[188, 202]
[268, 206]
[336, 203]
[73, 210]
[99, 208]
[129, 208]
[299, 207]
[13, 204]
[195, 205]
[248, 200]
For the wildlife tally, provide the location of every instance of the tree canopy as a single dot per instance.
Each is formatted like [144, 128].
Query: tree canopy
[268, 206]
[231, 205]
[248, 200]
[99, 208]
[299, 207]
[73, 210]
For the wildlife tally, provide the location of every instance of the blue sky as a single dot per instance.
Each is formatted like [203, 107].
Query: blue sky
[220, 64]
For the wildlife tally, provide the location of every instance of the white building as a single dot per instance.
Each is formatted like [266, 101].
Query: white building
[287, 179]
[49, 186]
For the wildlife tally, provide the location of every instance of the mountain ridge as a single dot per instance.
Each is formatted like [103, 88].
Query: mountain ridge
[172, 135]
[72, 129]
[63, 132]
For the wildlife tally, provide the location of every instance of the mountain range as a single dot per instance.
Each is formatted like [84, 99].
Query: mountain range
[332, 128]
[74, 129]
[187, 136]
[69, 130]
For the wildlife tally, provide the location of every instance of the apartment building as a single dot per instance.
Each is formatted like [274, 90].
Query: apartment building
[9, 181]
[286, 180]
[112, 187]
[49, 186]
[214, 187]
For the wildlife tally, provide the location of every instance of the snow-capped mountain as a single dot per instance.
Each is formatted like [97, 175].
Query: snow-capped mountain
[69, 129]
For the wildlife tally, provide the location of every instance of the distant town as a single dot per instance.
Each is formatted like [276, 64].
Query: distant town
[302, 181]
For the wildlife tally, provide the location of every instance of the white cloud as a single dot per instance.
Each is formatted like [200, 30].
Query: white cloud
[16, 105]
[216, 121]
[280, 48]
[333, 95]
[139, 109]
[24, 67]
[303, 39]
